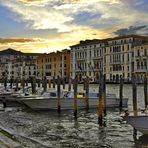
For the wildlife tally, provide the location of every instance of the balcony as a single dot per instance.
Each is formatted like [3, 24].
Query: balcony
[116, 63]
[141, 70]
[141, 57]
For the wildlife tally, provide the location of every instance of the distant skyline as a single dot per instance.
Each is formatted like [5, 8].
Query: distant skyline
[51, 25]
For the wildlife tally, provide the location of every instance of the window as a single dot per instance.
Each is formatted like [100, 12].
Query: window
[90, 53]
[138, 52]
[145, 52]
[110, 49]
[89, 73]
[138, 65]
[123, 48]
[128, 57]
[128, 47]
[123, 57]
[128, 68]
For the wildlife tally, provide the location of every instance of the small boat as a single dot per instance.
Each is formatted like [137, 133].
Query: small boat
[11, 96]
[140, 123]
[48, 100]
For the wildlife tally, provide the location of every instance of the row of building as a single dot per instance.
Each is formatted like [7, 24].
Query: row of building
[15, 64]
[115, 57]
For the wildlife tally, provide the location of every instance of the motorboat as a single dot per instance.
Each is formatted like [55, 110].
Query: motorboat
[49, 100]
[111, 99]
[140, 123]
[11, 96]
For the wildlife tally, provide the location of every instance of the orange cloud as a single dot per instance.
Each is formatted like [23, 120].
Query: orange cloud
[16, 40]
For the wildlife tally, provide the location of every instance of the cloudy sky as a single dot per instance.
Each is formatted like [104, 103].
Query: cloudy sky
[50, 25]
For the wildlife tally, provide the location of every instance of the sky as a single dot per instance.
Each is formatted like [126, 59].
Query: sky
[50, 25]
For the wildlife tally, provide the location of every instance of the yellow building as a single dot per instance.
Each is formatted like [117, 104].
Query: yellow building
[54, 64]
[40, 62]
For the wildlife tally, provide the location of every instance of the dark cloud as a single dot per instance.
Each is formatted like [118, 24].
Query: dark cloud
[15, 40]
[132, 30]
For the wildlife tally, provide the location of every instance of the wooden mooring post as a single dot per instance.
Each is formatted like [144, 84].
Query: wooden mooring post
[5, 82]
[4, 101]
[11, 82]
[63, 82]
[45, 84]
[134, 84]
[134, 95]
[33, 85]
[16, 83]
[49, 83]
[53, 81]
[87, 92]
[26, 81]
[121, 93]
[75, 86]
[23, 84]
[104, 94]
[69, 84]
[58, 94]
[100, 116]
[84, 84]
[145, 92]
[39, 83]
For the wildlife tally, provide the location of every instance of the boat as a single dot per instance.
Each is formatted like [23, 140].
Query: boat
[49, 100]
[11, 96]
[140, 123]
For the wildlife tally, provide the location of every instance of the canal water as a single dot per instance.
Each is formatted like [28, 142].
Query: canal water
[48, 129]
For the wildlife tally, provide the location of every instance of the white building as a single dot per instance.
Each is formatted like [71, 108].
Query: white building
[115, 57]
[120, 57]
[140, 60]
[17, 64]
[19, 68]
[87, 59]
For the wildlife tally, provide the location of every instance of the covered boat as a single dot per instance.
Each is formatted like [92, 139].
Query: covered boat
[140, 123]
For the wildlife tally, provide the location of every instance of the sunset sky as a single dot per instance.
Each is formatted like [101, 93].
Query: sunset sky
[50, 25]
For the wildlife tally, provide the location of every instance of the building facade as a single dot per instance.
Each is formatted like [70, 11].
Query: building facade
[114, 57]
[87, 59]
[54, 64]
[140, 60]
[120, 57]
[19, 68]
[17, 64]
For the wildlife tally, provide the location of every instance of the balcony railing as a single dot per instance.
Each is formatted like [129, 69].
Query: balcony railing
[116, 62]
[141, 70]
